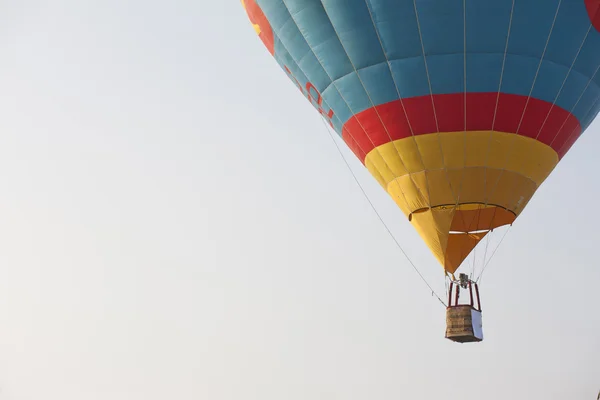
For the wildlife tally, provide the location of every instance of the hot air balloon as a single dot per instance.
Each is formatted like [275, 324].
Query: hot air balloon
[460, 109]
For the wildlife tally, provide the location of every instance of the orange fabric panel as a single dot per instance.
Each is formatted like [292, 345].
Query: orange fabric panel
[480, 219]
[459, 246]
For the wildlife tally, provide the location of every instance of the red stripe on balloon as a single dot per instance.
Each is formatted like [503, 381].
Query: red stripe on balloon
[538, 119]
[593, 9]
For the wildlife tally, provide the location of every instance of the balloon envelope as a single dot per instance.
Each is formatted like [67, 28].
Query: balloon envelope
[459, 108]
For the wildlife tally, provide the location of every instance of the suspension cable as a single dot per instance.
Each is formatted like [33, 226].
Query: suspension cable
[493, 253]
[433, 293]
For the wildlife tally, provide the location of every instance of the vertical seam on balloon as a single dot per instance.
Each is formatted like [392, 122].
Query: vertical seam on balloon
[576, 103]
[464, 100]
[462, 177]
[402, 104]
[537, 72]
[586, 114]
[564, 81]
[347, 104]
[437, 126]
[503, 67]
[512, 143]
[457, 199]
[574, 131]
[590, 80]
[485, 167]
[516, 134]
[410, 174]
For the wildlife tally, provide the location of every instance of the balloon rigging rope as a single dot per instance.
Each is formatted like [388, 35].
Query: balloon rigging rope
[548, 115]
[485, 252]
[493, 253]
[379, 215]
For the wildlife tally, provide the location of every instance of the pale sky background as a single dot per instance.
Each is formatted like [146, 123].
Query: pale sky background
[165, 233]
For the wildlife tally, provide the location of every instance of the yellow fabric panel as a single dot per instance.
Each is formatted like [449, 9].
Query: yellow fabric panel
[470, 185]
[495, 168]
[429, 146]
[459, 246]
[461, 182]
[449, 248]
[386, 160]
[373, 168]
[410, 192]
[509, 190]
[453, 148]
[410, 154]
[434, 227]
[478, 141]
[496, 150]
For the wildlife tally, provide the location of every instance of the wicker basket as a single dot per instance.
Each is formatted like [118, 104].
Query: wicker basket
[463, 324]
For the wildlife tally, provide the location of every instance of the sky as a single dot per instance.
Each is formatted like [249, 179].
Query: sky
[165, 232]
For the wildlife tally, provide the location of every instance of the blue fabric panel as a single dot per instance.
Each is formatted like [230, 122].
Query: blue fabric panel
[442, 26]
[446, 73]
[343, 47]
[592, 114]
[519, 74]
[484, 71]
[293, 42]
[354, 27]
[320, 36]
[379, 83]
[587, 103]
[285, 60]
[567, 35]
[531, 25]
[396, 19]
[353, 91]
[487, 26]
[411, 76]
[574, 88]
[549, 80]
[588, 59]
[338, 104]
